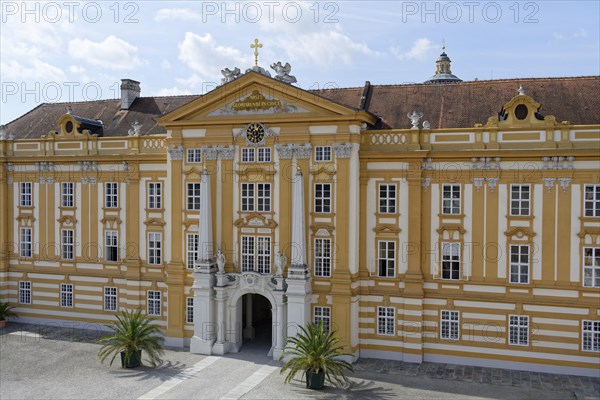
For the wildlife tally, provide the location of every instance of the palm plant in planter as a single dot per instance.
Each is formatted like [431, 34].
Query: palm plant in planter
[6, 311]
[317, 354]
[132, 334]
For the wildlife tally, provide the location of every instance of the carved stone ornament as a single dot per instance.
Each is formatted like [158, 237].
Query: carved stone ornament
[343, 150]
[425, 182]
[294, 150]
[492, 182]
[175, 152]
[222, 152]
[230, 75]
[209, 153]
[478, 183]
[87, 166]
[414, 119]
[283, 72]
[564, 183]
[549, 182]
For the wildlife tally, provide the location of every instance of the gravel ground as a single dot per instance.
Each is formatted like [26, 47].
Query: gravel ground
[62, 363]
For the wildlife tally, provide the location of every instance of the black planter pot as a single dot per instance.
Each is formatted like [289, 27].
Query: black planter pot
[134, 361]
[315, 380]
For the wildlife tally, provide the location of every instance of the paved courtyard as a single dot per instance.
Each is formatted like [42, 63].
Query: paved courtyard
[38, 362]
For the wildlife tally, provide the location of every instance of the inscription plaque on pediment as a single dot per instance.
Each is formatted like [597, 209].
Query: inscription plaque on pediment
[257, 103]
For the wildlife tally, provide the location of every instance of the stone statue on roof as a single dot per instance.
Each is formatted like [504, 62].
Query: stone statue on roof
[229, 75]
[283, 72]
[414, 119]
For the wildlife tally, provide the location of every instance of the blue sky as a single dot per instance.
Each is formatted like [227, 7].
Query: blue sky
[61, 51]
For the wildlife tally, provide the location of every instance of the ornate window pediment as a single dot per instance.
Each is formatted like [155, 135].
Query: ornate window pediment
[386, 228]
[67, 220]
[451, 228]
[520, 232]
[520, 111]
[255, 220]
[155, 222]
[321, 229]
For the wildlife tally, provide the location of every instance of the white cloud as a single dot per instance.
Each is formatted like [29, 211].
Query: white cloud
[420, 50]
[112, 53]
[174, 91]
[177, 14]
[39, 71]
[325, 49]
[204, 56]
[76, 69]
[581, 33]
[165, 64]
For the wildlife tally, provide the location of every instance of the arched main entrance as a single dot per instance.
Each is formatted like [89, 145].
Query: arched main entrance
[257, 320]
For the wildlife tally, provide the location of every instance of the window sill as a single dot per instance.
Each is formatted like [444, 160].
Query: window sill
[442, 215]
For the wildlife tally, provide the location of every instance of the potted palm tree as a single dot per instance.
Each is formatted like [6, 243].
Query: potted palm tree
[6, 311]
[133, 333]
[317, 354]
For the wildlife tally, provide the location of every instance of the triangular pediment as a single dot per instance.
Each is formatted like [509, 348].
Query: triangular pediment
[266, 99]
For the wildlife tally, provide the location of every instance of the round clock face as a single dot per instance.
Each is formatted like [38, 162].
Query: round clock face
[255, 133]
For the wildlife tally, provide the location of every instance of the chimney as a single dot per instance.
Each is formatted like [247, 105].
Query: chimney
[130, 90]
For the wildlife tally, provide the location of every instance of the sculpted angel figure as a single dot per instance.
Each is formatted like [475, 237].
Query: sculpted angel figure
[220, 261]
[229, 75]
[283, 72]
[280, 261]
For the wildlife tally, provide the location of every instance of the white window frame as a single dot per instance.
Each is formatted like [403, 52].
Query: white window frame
[247, 197]
[451, 205]
[591, 267]
[520, 200]
[111, 246]
[110, 298]
[323, 314]
[591, 200]
[154, 195]
[388, 194]
[26, 242]
[111, 195]
[256, 197]
[519, 261]
[590, 336]
[386, 321]
[25, 194]
[248, 155]
[247, 253]
[518, 330]
[322, 255]
[323, 153]
[194, 156]
[66, 295]
[67, 244]
[189, 310]
[386, 262]
[24, 292]
[155, 248]
[192, 249]
[193, 196]
[263, 197]
[449, 325]
[67, 194]
[323, 201]
[263, 154]
[256, 253]
[449, 256]
[154, 303]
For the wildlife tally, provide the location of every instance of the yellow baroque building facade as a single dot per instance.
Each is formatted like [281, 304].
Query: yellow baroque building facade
[372, 210]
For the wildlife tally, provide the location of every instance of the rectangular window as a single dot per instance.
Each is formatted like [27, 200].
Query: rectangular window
[25, 194]
[590, 335]
[154, 248]
[450, 260]
[247, 154]
[67, 194]
[111, 244]
[386, 320]
[247, 253]
[449, 326]
[189, 310]
[193, 249]
[24, 292]
[323, 315]
[154, 302]
[110, 299]
[323, 153]
[387, 258]
[591, 266]
[592, 201]
[247, 197]
[66, 295]
[193, 196]
[26, 242]
[519, 263]
[322, 257]
[387, 199]
[518, 330]
[263, 255]
[264, 154]
[112, 195]
[67, 244]
[194, 155]
[451, 199]
[323, 198]
[154, 195]
[264, 197]
[519, 200]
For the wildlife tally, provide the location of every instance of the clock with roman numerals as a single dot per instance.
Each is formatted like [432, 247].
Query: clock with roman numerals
[255, 133]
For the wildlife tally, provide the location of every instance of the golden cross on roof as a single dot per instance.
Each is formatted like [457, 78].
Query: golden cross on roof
[256, 45]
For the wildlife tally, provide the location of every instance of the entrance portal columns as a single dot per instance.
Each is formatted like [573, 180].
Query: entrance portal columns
[248, 329]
